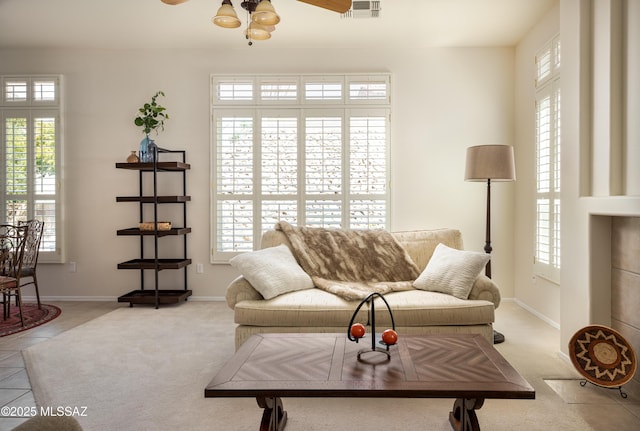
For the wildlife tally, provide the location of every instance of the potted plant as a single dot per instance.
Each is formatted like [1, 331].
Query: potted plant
[151, 116]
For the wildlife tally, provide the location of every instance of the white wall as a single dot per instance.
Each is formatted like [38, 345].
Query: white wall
[444, 100]
[536, 293]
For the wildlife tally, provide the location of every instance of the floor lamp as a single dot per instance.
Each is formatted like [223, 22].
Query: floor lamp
[490, 163]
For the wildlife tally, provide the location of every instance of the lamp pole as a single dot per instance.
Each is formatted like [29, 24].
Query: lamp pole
[487, 243]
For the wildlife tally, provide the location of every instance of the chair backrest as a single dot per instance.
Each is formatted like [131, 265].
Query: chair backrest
[32, 245]
[12, 242]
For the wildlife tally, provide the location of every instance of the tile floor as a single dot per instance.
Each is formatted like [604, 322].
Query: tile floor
[597, 405]
[591, 400]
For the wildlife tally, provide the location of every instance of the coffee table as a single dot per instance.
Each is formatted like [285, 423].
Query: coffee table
[464, 367]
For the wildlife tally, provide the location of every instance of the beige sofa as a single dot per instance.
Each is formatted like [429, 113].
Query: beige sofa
[416, 312]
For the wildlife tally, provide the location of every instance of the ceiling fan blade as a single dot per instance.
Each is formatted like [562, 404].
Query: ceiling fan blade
[173, 2]
[340, 6]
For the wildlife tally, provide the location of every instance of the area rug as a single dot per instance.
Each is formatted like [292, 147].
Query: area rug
[33, 316]
[146, 369]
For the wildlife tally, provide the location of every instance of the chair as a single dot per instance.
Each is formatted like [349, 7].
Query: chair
[31, 251]
[12, 242]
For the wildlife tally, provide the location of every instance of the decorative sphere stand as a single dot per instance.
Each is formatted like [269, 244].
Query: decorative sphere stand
[356, 331]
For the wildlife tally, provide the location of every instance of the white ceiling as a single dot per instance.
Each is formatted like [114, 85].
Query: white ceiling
[151, 23]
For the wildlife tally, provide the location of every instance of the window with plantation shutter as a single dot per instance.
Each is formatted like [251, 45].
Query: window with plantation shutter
[308, 149]
[547, 257]
[30, 157]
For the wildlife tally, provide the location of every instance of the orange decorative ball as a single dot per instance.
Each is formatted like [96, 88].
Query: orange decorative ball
[357, 330]
[390, 337]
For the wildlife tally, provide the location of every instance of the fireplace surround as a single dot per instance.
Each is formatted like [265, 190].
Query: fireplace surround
[615, 291]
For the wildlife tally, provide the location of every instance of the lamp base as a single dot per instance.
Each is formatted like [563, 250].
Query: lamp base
[497, 337]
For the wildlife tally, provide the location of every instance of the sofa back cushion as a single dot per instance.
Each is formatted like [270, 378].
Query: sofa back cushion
[420, 244]
[272, 238]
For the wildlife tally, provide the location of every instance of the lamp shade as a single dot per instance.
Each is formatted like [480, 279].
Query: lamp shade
[226, 17]
[265, 14]
[257, 32]
[490, 162]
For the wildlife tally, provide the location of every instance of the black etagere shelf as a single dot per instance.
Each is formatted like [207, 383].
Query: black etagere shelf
[150, 260]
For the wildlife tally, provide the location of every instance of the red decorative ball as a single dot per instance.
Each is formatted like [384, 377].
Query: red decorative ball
[357, 330]
[390, 337]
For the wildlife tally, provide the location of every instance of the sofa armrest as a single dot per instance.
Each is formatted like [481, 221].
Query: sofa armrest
[485, 288]
[239, 290]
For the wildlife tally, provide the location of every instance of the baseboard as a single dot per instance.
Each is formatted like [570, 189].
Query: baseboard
[539, 315]
[71, 298]
[109, 298]
[207, 298]
[565, 357]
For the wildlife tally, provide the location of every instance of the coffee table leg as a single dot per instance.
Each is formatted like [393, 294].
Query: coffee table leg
[463, 417]
[274, 417]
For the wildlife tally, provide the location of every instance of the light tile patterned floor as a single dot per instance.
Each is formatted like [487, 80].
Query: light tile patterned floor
[592, 401]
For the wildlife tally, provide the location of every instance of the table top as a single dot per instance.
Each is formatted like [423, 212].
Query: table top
[326, 365]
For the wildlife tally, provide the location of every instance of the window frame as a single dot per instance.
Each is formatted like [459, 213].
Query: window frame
[31, 108]
[547, 87]
[376, 100]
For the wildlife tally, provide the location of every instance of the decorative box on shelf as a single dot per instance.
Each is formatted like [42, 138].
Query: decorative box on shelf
[149, 225]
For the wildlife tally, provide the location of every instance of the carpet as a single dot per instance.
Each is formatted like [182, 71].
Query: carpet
[33, 316]
[146, 369]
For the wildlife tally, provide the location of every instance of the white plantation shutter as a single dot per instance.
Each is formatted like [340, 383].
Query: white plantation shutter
[323, 91]
[368, 154]
[548, 187]
[276, 210]
[278, 89]
[235, 225]
[15, 90]
[323, 213]
[323, 155]
[299, 153]
[279, 155]
[369, 89]
[235, 155]
[30, 150]
[44, 91]
[368, 173]
[234, 181]
[233, 90]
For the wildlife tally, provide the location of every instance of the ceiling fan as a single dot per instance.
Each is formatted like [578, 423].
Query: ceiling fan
[340, 6]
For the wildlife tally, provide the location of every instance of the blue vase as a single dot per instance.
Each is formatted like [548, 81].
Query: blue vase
[146, 155]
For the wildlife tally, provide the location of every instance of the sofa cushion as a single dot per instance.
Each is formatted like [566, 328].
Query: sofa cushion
[452, 271]
[420, 244]
[272, 271]
[315, 307]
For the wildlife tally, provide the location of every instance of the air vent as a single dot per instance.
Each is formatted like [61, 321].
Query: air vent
[363, 9]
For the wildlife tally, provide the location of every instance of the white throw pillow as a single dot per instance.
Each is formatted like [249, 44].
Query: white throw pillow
[452, 271]
[272, 271]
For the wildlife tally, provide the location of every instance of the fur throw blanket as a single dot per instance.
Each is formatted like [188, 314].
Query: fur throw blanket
[351, 263]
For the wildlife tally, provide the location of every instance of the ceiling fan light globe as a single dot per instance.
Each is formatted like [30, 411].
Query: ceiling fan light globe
[265, 18]
[265, 14]
[257, 32]
[226, 17]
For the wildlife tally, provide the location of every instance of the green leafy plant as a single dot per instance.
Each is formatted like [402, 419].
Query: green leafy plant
[152, 115]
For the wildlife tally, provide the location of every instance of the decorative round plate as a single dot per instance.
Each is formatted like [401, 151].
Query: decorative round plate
[602, 356]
